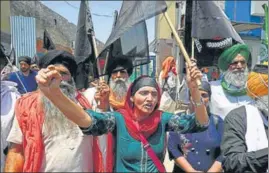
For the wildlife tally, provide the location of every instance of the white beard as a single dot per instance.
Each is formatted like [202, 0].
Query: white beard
[119, 87]
[236, 78]
[55, 122]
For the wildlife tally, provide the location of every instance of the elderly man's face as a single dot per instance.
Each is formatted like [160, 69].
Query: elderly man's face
[238, 64]
[119, 84]
[66, 75]
[55, 121]
[237, 73]
[120, 74]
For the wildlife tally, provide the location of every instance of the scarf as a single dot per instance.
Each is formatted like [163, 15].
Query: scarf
[166, 67]
[234, 92]
[147, 126]
[31, 123]
[30, 115]
[110, 139]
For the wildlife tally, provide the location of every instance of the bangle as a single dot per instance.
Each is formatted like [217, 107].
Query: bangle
[199, 103]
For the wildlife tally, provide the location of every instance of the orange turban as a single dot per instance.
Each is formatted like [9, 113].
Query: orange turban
[257, 84]
[166, 66]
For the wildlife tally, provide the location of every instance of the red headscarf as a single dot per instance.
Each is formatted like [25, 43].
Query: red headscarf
[147, 126]
[166, 66]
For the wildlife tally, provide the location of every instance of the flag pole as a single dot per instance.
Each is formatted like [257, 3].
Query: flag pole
[96, 52]
[110, 48]
[192, 47]
[181, 46]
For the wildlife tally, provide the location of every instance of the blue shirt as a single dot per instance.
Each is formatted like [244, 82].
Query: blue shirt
[29, 81]
[201, 149]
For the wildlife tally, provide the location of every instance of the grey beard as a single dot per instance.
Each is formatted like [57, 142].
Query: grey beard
[55, 121]
[262, 103]
[236, 78]
[119, 87]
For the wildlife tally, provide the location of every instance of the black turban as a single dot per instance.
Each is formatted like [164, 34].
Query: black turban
[59, 57]
[119, 64]
[25, 59]
[205, 86]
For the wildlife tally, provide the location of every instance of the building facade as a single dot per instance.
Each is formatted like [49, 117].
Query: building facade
[251, 14]
[5, 24]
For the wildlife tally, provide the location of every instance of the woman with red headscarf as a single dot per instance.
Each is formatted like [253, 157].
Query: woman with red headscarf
[139, 128]
[168, 82]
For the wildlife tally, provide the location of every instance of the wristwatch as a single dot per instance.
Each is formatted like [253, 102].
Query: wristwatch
[199, 103]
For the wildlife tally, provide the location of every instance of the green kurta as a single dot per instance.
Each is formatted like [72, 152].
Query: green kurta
[130, 154]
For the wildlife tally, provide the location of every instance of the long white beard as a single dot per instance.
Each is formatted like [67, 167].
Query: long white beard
[236, 78]
[55, 122]
[119, 87]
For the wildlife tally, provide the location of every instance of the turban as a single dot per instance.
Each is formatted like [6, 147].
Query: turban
[120, 64]
[59, 57]
[25, 59]
[205, 86]
[166, 66]
[257, 84]
[229, 54]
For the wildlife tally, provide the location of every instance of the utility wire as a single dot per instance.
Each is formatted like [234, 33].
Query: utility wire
[94, 14]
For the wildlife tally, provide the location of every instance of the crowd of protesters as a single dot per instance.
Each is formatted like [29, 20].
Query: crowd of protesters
[47, 125]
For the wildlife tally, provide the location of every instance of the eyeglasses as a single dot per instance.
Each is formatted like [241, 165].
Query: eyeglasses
[235, 63]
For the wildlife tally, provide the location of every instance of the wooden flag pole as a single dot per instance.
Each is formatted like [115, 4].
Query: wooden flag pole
[181, 46]
[96, 55]
[98, 64]
[192, 47]
[96, 52]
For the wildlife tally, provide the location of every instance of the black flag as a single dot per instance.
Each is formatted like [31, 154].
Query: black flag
[84, 51]
[12, 56]
[212, 31]
[129, 38]
[47, 41]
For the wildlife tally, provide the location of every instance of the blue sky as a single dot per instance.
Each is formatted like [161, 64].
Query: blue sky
[102, 25]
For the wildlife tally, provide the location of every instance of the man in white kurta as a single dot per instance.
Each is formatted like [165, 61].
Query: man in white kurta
[229, 92]
[56, 144]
